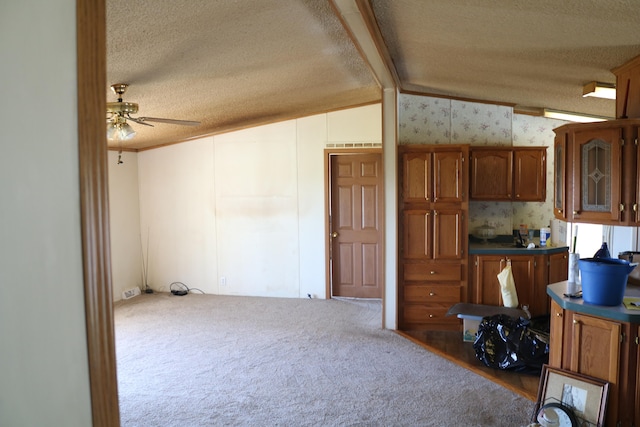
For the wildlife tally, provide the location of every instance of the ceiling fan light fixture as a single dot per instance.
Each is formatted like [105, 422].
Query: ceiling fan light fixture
[572, 117]
[126, 132]
[120, 131]
[599, 90]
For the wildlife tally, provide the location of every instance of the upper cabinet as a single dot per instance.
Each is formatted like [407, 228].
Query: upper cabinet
[529, 174]
[508, 173]
[435, 176]
[596, 173]
[491, 174]
[596, 164]
[560, 176]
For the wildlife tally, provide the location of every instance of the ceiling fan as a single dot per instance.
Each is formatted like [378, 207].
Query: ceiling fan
[118, 113]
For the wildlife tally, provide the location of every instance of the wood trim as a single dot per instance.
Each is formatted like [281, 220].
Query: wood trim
[369, 18]
[248, 125]
[94, 205]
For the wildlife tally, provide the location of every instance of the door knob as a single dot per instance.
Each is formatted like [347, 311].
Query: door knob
[334, 234]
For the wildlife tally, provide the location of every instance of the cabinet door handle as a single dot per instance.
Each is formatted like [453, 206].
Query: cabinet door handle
[432, 272]
[558, 314]
[432, 294]
[576, 322]
[431, 316]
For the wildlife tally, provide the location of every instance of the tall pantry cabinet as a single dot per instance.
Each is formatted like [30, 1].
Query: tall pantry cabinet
[433, 265]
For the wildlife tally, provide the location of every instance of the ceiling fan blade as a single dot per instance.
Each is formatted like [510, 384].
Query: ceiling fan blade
[169, 121]
[138, 120]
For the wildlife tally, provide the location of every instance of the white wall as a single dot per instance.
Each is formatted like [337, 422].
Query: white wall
[177, 215]
[124, 222]
[43, 350]
[245, 208]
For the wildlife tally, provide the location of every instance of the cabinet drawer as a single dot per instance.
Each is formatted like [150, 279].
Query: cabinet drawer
[428, 313]
[433, 272]
[432, 293]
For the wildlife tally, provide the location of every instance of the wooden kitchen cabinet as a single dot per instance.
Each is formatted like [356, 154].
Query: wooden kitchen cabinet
[556, 335]
[597, 174]
[531, 274]
[529, 174]
[598, 347]
[508, 173]
[487, 287]
[433, 176]
[558, 267]
[561, 179]
[432, 272]
[491, 174]
[597, 181]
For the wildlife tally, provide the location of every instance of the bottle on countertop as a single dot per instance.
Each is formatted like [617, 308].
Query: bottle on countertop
[603, 252]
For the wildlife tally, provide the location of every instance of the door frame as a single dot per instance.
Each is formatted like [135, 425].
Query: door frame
[91, 55]
[328, 154]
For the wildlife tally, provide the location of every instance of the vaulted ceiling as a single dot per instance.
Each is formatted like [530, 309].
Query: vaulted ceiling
[231, 64]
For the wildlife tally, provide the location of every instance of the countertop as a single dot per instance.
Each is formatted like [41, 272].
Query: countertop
[508, 248]
[557, 290]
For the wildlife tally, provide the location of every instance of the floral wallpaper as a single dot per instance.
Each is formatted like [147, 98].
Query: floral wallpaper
[431, 120]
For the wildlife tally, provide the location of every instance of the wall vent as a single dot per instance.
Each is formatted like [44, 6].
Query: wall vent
[354, 145]
[130, 293]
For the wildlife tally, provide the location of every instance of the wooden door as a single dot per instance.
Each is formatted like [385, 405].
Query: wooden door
[356, 208]
[530, 174]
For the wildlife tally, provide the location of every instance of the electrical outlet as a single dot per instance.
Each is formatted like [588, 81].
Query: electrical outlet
[223, 281]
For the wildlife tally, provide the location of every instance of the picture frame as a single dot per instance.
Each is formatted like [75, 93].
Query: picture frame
[586, 396]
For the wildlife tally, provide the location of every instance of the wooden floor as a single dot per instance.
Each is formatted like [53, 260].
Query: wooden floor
[450, 346]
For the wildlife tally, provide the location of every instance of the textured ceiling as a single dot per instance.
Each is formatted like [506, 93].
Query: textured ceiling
[237, 63]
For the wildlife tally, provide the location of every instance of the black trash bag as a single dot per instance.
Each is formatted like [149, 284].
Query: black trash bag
[515, 344]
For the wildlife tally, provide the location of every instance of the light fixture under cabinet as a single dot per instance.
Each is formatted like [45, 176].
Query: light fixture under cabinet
[599, 90]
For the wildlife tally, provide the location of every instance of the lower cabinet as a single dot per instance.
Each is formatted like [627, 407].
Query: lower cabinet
[600, 348]
[429, 290]
[531, 275]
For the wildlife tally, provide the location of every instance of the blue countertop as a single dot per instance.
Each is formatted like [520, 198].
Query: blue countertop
[557, 290]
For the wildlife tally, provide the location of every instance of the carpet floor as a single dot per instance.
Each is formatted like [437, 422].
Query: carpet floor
[210, 360]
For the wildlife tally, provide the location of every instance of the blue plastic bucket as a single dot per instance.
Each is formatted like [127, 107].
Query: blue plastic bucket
[604, 280]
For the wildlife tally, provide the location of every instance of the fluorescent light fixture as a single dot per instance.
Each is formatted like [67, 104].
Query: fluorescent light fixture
[572, 117]
[599, 90]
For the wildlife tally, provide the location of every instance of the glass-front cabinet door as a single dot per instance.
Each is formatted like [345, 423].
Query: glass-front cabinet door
[597, 175]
